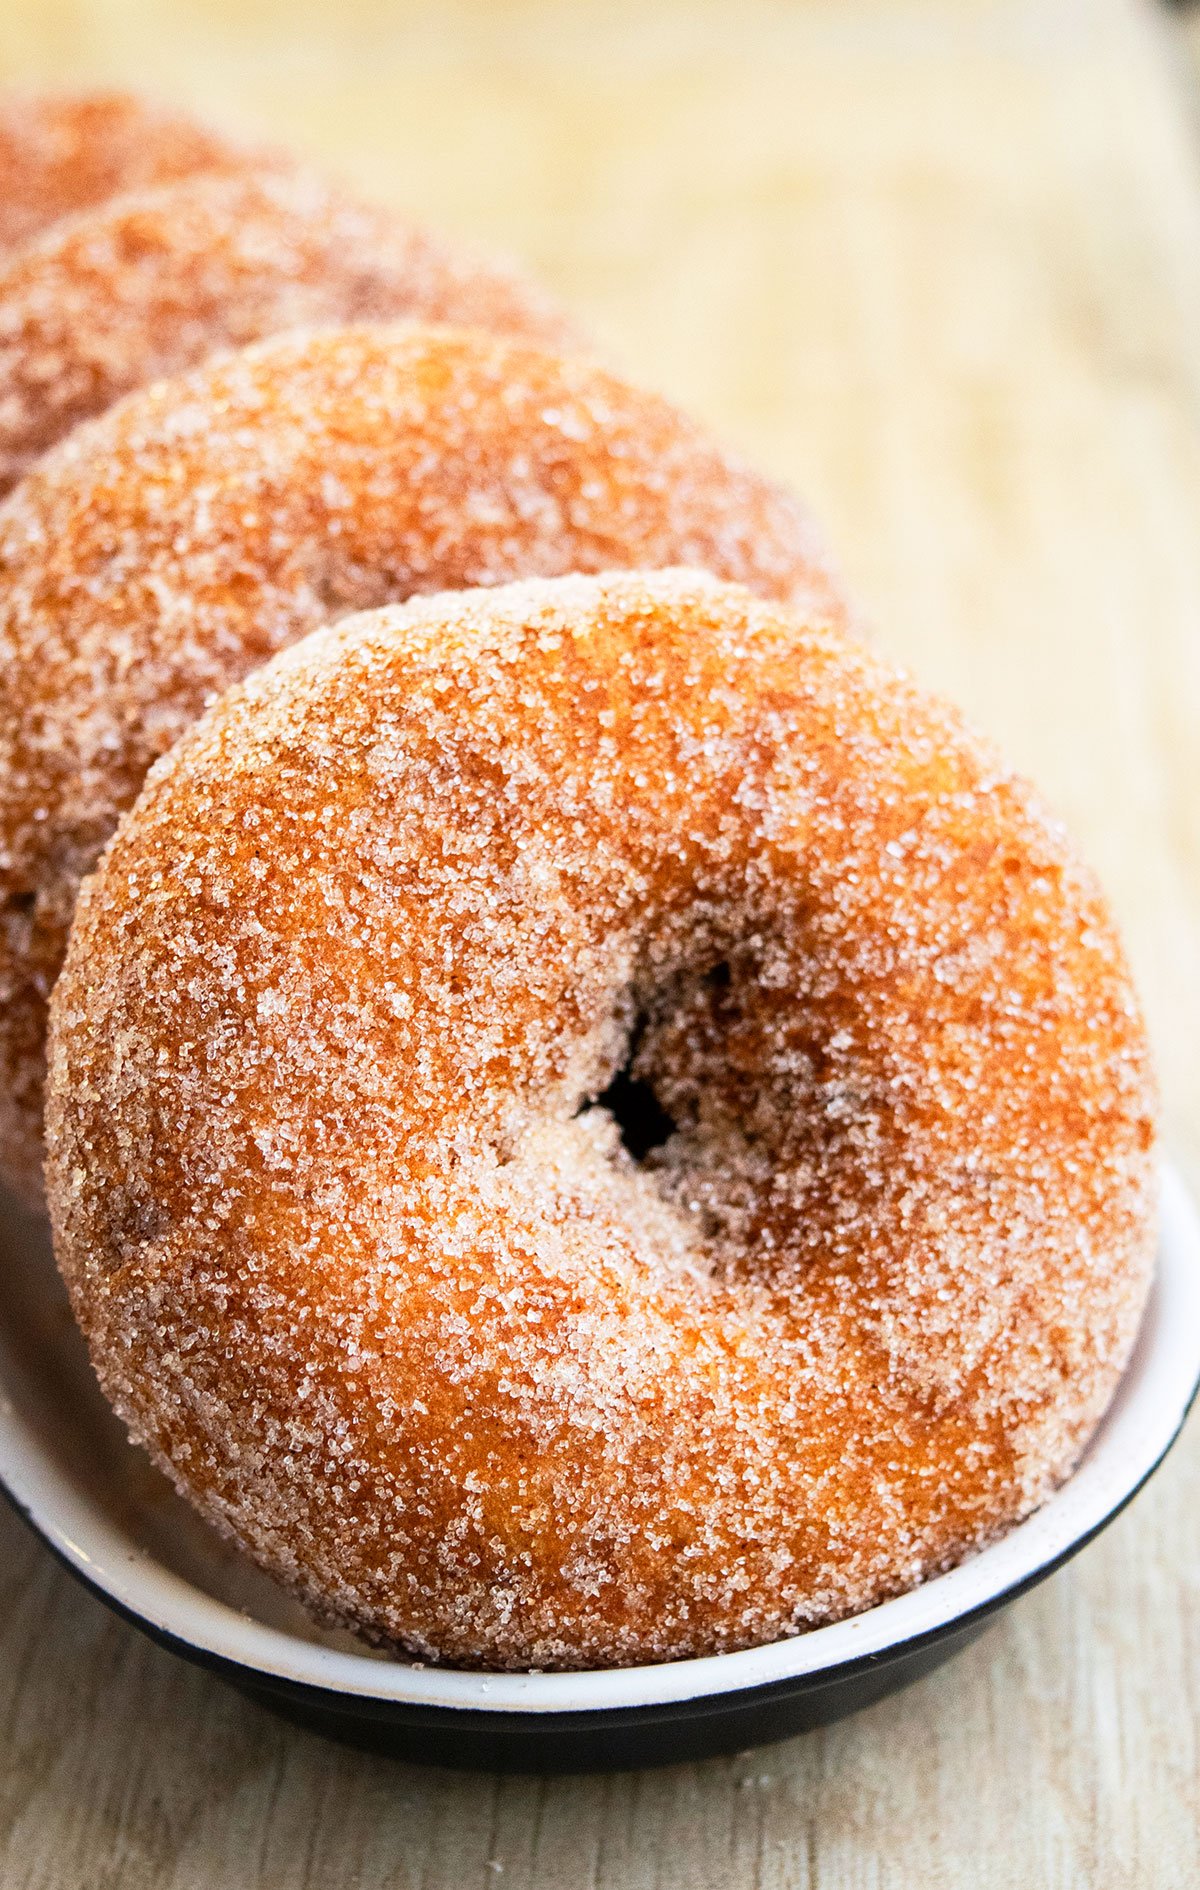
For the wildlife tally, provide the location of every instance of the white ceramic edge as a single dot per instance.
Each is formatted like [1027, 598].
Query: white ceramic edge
[1144, 1418]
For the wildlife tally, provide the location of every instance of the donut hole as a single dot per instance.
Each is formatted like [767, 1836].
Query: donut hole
[697, 1131]
[642, 1122]
[634, 1095]
[741, 1062]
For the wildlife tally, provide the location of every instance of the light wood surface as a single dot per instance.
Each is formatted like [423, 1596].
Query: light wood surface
[938, 265]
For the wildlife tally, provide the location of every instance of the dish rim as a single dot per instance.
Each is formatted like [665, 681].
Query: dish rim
[1145, 1418]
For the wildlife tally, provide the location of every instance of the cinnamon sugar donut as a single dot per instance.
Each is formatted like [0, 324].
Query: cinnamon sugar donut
[63, 152]
[147, 285]
[166, 548]
[342, 1202]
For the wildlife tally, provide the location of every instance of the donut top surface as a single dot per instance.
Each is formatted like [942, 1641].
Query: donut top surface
[341, 1059]
[63, 152]
[149, 284]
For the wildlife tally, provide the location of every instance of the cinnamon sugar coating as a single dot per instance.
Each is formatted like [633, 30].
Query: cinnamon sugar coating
[63, 152]
[358, 1251]
[165, 549]
[150, 284]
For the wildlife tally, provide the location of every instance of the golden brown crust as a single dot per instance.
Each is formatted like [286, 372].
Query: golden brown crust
[150, 284]
[166, 548]
[63, 152]
[357, 1252]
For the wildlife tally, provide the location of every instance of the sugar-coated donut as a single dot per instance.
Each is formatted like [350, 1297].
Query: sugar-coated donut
[163, 550]
[62, 152]
[337, 1185]
[149, 284]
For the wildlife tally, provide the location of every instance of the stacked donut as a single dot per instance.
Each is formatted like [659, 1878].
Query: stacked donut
[587, 1120]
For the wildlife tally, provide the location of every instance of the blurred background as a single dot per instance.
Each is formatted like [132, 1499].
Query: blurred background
[936, 263]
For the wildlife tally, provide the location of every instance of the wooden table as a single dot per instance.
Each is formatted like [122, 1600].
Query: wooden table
[939, 265]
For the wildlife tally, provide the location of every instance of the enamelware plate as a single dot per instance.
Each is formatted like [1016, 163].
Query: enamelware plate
[118, 1526]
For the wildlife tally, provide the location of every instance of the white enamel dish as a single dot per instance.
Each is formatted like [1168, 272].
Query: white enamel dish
[117, 1525]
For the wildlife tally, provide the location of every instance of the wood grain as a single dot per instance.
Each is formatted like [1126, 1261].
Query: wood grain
[938, 264]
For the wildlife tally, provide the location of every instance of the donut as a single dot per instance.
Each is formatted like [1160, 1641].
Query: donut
[63, 152]
[592, 1123]
[147, 285]
[171, 545]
